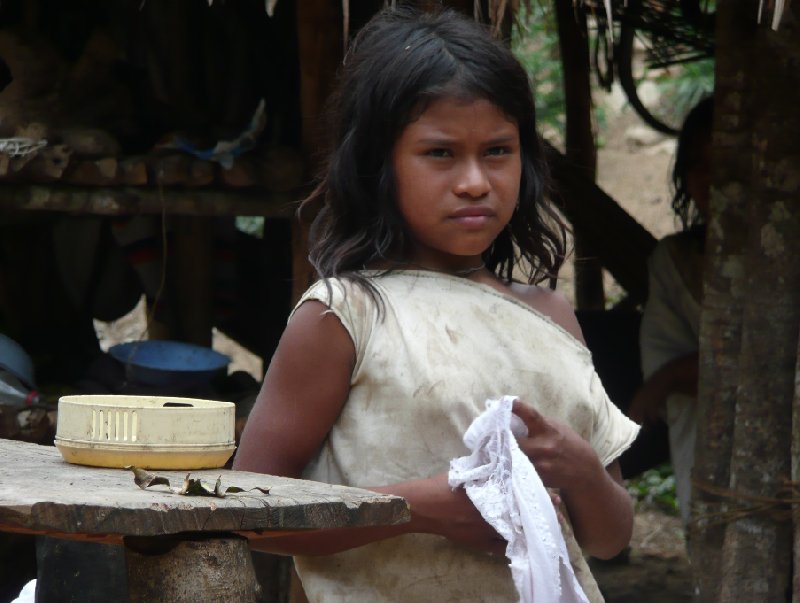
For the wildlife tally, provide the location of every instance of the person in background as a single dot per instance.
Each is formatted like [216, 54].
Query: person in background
[670, 329]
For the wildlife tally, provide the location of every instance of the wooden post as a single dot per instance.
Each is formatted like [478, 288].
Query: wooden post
[581, 152]
[320, 49]
[720, 323]
[757, 551]
[187, 571]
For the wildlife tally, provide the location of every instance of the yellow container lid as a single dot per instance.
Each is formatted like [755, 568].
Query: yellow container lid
[151, 432]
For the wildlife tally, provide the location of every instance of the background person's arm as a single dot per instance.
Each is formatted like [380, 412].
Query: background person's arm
[679, 375]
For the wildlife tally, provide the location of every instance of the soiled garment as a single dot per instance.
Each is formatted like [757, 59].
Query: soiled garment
[428, 354]
[505, 487]
[671, 329]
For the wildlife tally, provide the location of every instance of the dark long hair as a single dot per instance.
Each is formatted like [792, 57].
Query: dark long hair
[695, 132]
[399, 63]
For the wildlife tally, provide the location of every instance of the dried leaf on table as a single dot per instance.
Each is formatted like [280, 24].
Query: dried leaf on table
[191, 486]
[145, 479]
[194, 487]
[237, 490]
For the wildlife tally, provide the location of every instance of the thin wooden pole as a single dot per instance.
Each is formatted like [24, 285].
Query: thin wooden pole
[581, 151]
[320, 51]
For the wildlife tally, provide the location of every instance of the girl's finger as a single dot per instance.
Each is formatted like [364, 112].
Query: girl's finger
[533, 419]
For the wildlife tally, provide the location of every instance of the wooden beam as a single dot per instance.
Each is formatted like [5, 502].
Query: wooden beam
[622, 244]
[134, 200]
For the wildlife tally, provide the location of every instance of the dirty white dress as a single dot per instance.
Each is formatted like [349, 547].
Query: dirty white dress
[671, 329]
[423, 370]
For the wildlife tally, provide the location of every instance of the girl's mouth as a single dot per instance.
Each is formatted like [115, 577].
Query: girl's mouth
[472, 216]
[474, 221]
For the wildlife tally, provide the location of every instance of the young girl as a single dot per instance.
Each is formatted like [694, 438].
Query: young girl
[670, 331]
[432, 196]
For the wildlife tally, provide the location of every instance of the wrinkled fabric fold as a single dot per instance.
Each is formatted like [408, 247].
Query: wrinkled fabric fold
[504, 486]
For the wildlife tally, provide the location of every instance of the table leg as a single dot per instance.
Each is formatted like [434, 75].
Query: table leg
[179, 570]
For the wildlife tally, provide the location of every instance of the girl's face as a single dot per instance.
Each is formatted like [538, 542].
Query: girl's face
[457, 169]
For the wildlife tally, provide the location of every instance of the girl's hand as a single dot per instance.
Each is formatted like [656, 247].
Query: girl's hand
[599, 507]
[563, 459]
[438, 509]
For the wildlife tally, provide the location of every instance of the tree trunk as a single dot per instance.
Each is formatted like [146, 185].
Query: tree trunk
[720, 323]
[581, 151]
[757, 551]
[751, 320]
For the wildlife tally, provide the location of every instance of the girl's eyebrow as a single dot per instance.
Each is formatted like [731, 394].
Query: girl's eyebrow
[450, 140]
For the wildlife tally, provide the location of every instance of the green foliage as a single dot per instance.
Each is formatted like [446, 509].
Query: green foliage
[535, 44]
[252, 225]
[684, 86]
[655, 487]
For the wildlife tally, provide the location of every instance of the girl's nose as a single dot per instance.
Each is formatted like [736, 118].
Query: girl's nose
[472, 180]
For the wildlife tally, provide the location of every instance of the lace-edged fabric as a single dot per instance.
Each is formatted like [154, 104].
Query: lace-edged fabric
[504, 486]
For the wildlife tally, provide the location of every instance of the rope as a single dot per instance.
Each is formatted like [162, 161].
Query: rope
[159, 294]
[779, 508]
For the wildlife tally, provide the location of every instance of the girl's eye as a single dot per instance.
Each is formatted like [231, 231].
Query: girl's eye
[438, 153]
[498, 151]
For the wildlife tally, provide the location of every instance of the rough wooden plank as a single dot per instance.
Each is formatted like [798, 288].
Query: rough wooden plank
[133, 171]
[241, 174]
[40, 492]
[130, 200]
[94, 172]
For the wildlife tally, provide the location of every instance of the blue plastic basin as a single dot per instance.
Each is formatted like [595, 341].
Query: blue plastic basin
[161, 362]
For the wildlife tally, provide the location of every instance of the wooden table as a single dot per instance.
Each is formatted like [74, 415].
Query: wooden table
[178, 548]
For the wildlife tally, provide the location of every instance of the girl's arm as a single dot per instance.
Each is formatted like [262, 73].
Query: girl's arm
[599, 506]
[304, 390]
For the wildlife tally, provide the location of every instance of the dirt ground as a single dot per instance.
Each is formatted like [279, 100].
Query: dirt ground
[657, 569]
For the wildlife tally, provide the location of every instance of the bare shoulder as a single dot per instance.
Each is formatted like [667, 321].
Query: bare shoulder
[552, 304]
[306, 386]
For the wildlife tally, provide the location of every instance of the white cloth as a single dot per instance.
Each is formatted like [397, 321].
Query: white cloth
[504, 486]
[27, 594]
